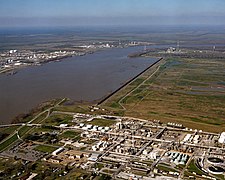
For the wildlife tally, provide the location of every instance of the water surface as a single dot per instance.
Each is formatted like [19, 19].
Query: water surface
[86, 78]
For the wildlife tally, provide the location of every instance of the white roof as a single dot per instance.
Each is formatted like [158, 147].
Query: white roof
[187, 137]
[59, 150]
[222, 138]
[94, 157]
[63, 125]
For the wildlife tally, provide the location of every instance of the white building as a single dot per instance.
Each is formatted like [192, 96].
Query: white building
[57, 151]
[222, 138]
[187, 137]
[94, 157]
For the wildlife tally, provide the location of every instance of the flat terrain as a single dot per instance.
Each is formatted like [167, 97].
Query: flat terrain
[187, 91]
[179, 89]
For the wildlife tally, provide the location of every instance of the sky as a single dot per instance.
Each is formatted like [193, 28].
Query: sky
[15, 13]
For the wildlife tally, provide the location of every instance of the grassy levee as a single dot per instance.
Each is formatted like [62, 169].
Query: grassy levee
[40, 118]
[21, 132]
[8, 142]
[74, 107]
[24, 130]
[187, 91]
[8, 130]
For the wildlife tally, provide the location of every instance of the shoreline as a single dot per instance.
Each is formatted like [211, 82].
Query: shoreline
[8, 70]
[57, 59]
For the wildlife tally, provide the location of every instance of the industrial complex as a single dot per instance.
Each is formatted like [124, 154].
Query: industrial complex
[132, 148]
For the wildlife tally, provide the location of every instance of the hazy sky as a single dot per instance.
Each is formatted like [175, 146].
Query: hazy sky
[110, 12]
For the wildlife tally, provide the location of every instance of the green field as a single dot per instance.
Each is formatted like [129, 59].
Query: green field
[69, 134]
[165, 168]
[9, 141]
[9, 130]
[45, 148]
[102, 122]
[193, 168]
[24, 130]
[72, 108]
[40, 118]
[57, 119]
[187, 91]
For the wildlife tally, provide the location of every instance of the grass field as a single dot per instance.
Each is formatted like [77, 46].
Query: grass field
[70, 134]
[102, 122]
[165, 168]
[193, 168]
[45, 148]
[24, 130]
[72, 108]
[57, 119]
[9, 130]
[187, 91]
[40, 118]
[8, 142]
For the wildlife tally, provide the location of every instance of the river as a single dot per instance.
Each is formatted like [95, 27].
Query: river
[86, 78]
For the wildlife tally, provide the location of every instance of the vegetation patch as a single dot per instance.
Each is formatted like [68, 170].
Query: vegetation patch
[72, 108]
[115, 105]
[40, 118]
[70, 134]
[45, 148]
[99, 166]
[166, 168]
[175, 93]
[193, 168]
[57, 119]
[24, 130]
[9, 130]
[9, 141]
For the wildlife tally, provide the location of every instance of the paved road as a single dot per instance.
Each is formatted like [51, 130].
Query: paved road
[10, 125]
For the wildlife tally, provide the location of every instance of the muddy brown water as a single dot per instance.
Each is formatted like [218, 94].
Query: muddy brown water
[86, 78]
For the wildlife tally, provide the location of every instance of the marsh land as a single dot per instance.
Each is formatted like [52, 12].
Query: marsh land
[187, 91]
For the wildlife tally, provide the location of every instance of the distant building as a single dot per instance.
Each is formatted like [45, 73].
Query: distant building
[94, 157]
[63, 125]
[12, 51]
[74, 154]
[55, 160]
[171, 50]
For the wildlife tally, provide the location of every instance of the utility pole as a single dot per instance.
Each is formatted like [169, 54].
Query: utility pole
[145, 48]
[178, 45]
